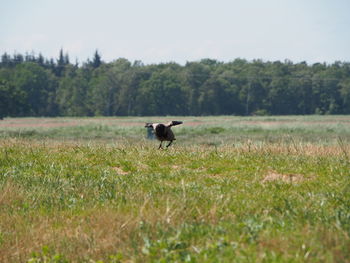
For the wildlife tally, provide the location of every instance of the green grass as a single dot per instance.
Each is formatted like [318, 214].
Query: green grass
[245, 199]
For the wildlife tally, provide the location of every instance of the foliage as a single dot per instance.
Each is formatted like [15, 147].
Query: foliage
[34, 86]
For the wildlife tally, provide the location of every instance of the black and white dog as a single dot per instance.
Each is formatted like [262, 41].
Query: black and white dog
[163, 132]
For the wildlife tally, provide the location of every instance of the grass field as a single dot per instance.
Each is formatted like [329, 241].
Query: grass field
[230, 189]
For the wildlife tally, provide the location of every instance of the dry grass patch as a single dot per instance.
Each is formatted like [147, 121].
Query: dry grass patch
[176, 167]
[10, 193]
[119, 170]
[286, 178]
[93, 235]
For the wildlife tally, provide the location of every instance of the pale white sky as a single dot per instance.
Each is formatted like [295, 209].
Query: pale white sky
[156, 31]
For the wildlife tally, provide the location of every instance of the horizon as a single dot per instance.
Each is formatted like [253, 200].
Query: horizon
[80, 63]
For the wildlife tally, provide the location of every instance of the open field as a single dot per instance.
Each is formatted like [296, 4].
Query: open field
[221, 130]
[230, 189]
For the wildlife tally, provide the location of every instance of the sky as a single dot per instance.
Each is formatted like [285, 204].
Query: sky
[161, 31]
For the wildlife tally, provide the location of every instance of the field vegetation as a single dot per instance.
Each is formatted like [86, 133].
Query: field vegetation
[230, 189]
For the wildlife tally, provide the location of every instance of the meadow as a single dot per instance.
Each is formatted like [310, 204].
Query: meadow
[230, 189]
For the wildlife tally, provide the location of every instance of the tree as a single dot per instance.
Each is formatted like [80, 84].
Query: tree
[6, 98]
[345, 94]
[62, 61]
[196, 74]
[130, 84]
[162, 94]
[103, 91]
[32, 85]
[96, 62]
[72, 93]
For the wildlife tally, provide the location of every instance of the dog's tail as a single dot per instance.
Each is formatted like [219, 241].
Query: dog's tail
[174, 123]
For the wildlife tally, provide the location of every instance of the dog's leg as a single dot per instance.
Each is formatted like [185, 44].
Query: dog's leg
[169, 144]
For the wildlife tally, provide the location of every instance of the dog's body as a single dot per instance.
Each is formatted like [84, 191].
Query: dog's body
[163, 132]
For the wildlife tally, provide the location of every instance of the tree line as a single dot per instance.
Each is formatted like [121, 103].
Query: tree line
[31, 85]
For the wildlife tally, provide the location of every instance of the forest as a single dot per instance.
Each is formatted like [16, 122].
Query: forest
[32, 85]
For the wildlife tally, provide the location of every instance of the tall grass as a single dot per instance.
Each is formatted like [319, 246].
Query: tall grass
[203, 200]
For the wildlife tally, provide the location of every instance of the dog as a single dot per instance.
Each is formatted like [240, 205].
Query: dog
[163, 132]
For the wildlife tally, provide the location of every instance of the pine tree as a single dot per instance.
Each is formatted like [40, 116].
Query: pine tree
[6, 60]
[62, 61]
[41, 60]
[66, 59]
[96, 60]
